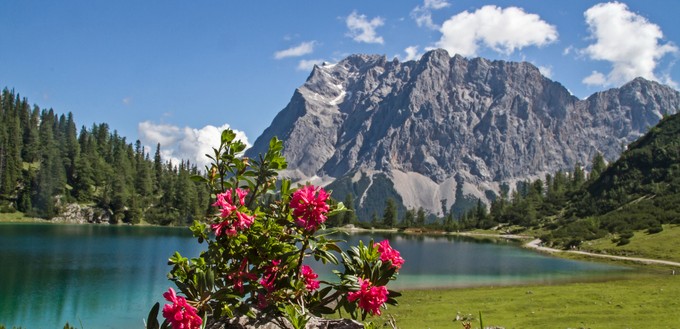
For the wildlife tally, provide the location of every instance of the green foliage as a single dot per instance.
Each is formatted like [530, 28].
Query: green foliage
[45, 162]
[390, 215]
[640, 191]
[259, 241]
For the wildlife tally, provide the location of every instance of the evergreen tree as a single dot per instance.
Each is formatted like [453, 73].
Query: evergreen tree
[420, 217]
[578, 177]
[349, 216]
[410, 218]
[390, 215]
[157, 168]
[598, 166]
[143, 181]
[374, 219]
[71, 148]
[10, 146]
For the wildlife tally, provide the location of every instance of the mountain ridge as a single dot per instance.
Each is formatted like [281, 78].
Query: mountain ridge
[443, 125]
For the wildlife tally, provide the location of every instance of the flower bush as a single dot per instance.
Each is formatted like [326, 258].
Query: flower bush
[261, 235]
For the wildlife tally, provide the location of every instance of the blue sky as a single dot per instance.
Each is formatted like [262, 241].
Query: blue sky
[176, 72]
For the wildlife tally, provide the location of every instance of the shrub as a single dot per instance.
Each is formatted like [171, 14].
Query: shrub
[627, 234]
[654, 229]
[259, 241]
[623, 242]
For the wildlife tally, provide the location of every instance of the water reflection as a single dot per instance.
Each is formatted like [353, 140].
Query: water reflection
[110, 276]
[455, 261]
[84, 273]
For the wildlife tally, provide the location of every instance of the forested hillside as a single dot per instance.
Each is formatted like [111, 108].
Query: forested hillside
[639, 191]
[46, 163]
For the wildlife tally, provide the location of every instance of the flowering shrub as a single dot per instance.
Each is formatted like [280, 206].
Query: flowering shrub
[179, 313]
[387, 254]
[371, 298]
[260, 238]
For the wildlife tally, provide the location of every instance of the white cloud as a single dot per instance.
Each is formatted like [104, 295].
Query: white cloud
[436, 4]
[127, 100]
[595, 79]
[423, 15]
[625, 39]
[297, 51]
[412, 53]
[546, 71]
[308, 64]
[503, 30]
[184, 143]
[363, 30]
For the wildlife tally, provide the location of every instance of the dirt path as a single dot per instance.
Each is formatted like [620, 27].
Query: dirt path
[536, 244]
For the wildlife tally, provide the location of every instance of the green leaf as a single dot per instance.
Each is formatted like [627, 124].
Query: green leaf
[152, 319]
[227, 136]
[198, 179]
[340, 208]
[210, 279]
[275, 145]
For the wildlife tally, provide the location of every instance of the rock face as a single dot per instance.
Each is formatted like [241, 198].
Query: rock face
[245, 322]
[433, 130]
[74, 213]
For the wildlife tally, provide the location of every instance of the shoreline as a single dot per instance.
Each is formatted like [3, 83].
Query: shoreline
[536, 245]
[533, 243]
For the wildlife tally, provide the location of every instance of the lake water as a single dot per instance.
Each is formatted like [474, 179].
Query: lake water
[110, 276]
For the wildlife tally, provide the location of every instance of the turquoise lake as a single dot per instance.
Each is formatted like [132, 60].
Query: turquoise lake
[104, 276]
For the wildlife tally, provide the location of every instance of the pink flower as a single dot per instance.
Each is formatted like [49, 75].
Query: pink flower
[224, 203]
[389, 254]
[180, 314]
[230, 226]
[371, 298]
[262, 302]
[242, 273]
[268, 280]
[309, 207]
[224, 227]
[310, 278]
[241, 193]
[243, 221]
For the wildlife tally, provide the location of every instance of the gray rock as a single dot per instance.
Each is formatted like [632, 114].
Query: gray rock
[268, 322]
[441, 122]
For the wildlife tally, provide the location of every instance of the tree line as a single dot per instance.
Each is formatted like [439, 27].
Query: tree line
[47, 163]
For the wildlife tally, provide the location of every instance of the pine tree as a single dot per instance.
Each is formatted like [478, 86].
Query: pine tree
[410, 218]
[374, 219]
[420, 217]
[71, 149]
[10, 146]
[51, 174]
[158, 168]
[598, 166]
[390, 215]
[350, 216]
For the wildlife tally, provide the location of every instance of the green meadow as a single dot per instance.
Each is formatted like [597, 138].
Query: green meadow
[650, 301]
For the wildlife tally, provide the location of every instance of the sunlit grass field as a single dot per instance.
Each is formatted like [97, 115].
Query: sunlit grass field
[17, 217]
[663, 245]
[650, 301]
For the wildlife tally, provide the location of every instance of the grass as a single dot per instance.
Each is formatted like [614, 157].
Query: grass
[17, 217]
[663, 245]
[645, 302]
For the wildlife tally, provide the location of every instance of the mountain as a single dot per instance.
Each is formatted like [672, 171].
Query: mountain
[444, 131]
[639, 191]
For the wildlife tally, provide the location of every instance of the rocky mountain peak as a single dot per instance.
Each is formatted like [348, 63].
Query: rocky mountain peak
[441, 127]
